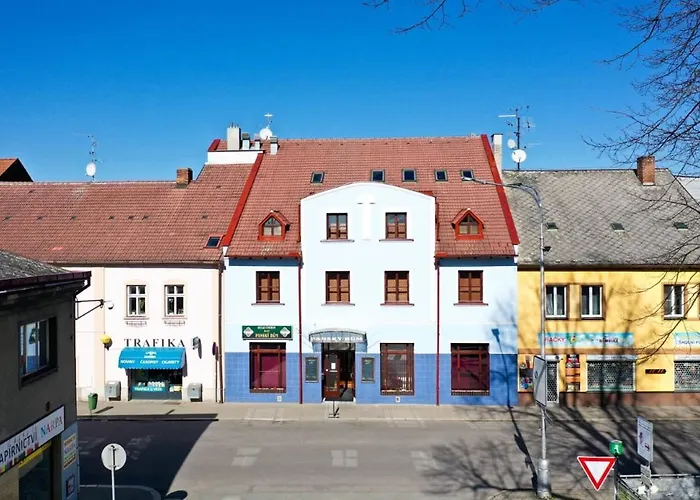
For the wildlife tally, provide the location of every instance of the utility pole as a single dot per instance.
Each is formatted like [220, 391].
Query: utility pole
[518, 129]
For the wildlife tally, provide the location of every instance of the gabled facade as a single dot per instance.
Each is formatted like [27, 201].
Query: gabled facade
[621, 286]
[153, 251]
[368, 270]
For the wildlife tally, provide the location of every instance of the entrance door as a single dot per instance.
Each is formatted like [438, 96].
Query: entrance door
[552, 382]
[331, 371]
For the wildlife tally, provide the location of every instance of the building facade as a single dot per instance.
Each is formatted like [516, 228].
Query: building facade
[379, 274]
[153, 250]
[38, 437]
[621, 287]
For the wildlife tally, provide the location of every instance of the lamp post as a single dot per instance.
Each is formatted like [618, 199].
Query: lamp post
[544, 485]
[100, 303]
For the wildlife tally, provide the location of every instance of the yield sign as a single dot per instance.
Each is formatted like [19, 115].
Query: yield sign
[597, 469]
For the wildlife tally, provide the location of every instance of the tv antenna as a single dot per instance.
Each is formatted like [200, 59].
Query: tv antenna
[518, 154]
[266, 133]
[91, 167]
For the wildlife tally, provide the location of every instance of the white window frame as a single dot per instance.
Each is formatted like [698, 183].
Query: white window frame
[589, 299]
[554, 303]
[136, 295]
[26, 330]
[674, 287]
[174, 295]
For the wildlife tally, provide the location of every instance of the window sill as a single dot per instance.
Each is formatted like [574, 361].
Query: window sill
[173, 316]
[470, 393]
[337, 304]
[396, 239]
[398, 393]
[136, 319]
[338, 240]
[470, 304]
[555, 318]
[674, 317]
[267, 304]
[592, 318]
[396, 304]
[37, 375]
[268, 391]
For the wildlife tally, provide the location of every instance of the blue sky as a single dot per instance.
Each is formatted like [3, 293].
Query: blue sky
[156, 81]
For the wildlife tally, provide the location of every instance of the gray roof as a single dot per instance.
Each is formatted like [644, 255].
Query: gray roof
[15, 267]
[585, 203]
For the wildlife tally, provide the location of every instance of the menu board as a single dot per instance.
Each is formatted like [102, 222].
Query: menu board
[311, 372]
[368, 369]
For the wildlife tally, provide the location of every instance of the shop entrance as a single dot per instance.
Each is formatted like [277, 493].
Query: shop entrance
[155, 384]
[338, 383]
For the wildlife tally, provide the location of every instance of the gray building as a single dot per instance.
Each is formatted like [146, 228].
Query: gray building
[38, 421]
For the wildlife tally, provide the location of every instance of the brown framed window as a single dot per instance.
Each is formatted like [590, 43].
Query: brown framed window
[471, 373]
[396, 226]
[471, 287]
[337, 226]
[397, 368]
[396, 287]
[272, 228]
[337, 286]
[268, 286]
[468, 226]
[268, 367]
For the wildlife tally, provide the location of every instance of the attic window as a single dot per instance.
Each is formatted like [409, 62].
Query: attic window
[377, 176]
[274, 227]
[681, 226]
[317, 178]
[409, 175]
[213, 241]
[467, 175]
[552, 226]
[616, 226]
[468, 226]
[441, 175]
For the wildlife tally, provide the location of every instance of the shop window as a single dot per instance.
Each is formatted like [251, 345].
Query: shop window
[592, 301]
[268, 367]
[156, 384]
[674, 301]
[471, 372]
[610, 376]
[396, 287]
[338, 286]
[268, 286]
[397, 368]
[471, 289]
[337, 226]
[686, 375]
[396, 226]
[174, 300]
[37, 348]
[136, 300]
[35, 478]
[556, 301]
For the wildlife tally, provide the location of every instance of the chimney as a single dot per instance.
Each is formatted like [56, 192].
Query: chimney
[497, 141]
[233, 138]
[646, 170]
[274, 145]
[246, 141]
[256, 142]
[184, 177]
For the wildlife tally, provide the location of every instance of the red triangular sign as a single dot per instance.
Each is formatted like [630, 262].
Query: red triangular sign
[597, 469]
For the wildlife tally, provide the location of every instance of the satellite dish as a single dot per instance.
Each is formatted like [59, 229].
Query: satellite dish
[518, 156]
[91, 169]
[512, 144]
[265, 134]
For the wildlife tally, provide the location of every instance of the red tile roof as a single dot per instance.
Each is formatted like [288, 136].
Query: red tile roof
[11, 169]
[6, 163]
[120, 222]
[279, 182]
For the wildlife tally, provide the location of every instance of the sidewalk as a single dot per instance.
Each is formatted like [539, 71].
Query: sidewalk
[104, 492]
[292, 412]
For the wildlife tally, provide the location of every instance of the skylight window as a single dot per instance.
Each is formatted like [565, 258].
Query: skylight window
[317, 177]
[616, 226]
[378, 175]
[213, 241]
[552, 226]
[409, 175]
[441, 175]
[467, 175]
[681, 226]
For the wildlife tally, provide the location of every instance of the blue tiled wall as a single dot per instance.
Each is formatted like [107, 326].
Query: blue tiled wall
[237, 388]
[504, 386]
[424, 383]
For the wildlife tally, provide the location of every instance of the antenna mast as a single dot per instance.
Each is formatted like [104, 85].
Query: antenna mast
[518, 154]
[91, 167]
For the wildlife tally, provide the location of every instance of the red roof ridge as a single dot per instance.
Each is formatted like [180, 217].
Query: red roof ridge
[502, 198]
[230, 231]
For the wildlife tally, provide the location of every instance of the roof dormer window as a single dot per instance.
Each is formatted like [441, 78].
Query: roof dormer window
[377, 175]
[274, 227]
[468, 226]
[408, 175]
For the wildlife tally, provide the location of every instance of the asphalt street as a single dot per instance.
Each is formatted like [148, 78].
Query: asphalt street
[229, 460]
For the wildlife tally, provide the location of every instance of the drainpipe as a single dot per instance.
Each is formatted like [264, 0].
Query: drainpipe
[437, 350]
[219, 351]
[301, 378]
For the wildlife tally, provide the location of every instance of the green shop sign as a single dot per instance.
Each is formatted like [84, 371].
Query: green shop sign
[251, 332]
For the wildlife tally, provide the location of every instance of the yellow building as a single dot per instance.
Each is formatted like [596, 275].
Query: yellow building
[621, 275]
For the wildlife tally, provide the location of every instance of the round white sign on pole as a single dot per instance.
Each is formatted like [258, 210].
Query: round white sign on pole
[113, 456]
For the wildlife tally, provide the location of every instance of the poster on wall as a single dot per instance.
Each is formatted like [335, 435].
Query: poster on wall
[526, 375]
[70, 487]
[70, 451]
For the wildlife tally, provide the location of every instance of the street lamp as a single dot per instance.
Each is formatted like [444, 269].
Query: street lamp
[544, 485]
[100, 303]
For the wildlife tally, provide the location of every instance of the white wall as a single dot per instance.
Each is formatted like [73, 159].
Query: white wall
[97, 365]
[367, 257]
[245, 157]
